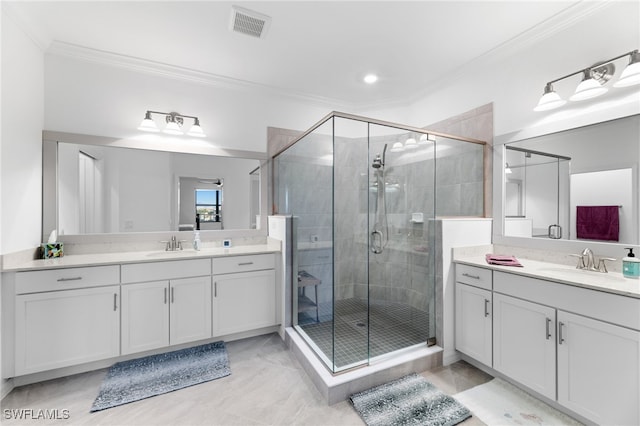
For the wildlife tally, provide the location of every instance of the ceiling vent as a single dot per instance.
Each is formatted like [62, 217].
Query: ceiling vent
[248, 22]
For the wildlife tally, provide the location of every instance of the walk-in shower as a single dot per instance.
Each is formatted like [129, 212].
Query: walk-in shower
[363, 195]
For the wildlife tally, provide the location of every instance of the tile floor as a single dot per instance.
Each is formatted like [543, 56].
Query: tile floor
[393, 326]
[267, 387]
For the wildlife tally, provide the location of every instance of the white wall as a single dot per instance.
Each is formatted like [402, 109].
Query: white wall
[105, 100]
[22, 124]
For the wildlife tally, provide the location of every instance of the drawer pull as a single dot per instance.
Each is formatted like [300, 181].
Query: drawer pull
[245, 263]
[475, 277]
[548, 328]
[69, 279]
[486, 307]
[560, 337]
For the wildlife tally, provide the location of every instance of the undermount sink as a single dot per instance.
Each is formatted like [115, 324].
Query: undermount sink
[577, 274]
[169, 253]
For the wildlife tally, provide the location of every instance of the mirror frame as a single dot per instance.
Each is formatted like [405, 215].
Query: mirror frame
[50, 141]
[615, 250]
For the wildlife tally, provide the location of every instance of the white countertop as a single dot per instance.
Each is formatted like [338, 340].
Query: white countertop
[98, 259]
[610, 282]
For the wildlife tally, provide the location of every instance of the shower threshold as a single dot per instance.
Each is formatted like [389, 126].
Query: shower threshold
[381, 369]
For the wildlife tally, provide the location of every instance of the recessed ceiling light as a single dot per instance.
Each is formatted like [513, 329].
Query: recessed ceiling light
[370, 78]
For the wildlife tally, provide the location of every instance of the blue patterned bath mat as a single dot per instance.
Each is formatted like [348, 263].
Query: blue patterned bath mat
[410, 400]
[141, 378]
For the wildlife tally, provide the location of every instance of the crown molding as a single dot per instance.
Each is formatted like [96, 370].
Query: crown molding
[161, 69]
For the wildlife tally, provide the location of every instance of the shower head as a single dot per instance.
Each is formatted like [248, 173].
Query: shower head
[378, 162]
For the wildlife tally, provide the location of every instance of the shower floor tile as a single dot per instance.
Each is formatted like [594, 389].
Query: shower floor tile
[393, 327]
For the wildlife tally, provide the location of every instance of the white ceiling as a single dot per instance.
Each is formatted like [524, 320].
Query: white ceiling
[316, 49]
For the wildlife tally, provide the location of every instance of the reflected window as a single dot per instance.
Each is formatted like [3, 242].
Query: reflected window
[209, 205]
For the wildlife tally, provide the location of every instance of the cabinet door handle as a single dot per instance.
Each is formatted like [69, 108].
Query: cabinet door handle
[165, 295]
[548, 328]
[215, 289]
[245, 263]
[115, 301]
[486, 307]
[69, 279]
[560, 336]
[172, 296]
[475, 277]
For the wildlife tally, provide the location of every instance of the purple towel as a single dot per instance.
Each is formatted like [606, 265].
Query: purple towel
[498, 259]
[598, 223]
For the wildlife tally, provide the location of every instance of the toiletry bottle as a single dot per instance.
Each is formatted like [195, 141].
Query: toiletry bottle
[196, 240]
[631, 265]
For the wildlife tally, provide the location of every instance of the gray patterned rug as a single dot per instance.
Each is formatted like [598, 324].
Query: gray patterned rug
[410, 400]
[153, 375]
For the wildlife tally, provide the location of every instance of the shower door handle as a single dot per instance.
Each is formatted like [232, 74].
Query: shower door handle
[376, 247]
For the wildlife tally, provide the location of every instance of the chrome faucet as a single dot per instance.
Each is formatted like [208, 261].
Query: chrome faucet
[591, 264]
[173, 244]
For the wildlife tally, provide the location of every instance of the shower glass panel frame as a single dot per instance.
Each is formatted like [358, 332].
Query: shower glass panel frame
[363, 194]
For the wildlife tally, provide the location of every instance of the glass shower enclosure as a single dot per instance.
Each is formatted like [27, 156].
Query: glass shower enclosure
[363, 194]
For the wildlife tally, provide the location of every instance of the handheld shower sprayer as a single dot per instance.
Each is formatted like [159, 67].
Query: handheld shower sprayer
[379, 162]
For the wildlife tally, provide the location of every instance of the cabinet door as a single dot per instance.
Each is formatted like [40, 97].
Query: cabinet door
[598, 370]
[145, 316]
[473, 322]
[62, 328]
[190, 318]
[244, 301]
[524, 343]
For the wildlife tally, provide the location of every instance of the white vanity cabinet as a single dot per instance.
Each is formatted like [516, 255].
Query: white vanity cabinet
[158, 313]
[524, 343]
[599, 369]
[473, 313]
[244, 293]
[65, 317]
[577, 346]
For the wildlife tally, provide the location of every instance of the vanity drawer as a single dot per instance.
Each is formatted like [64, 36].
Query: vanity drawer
[66, 278]
[232, 264]
[167, 270]
[472, 275]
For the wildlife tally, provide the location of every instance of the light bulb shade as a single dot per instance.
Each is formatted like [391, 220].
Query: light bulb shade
[172, 128]
[397, 147]
[196, 131]
[148, 125]
[549, 100]
[425, 139]
[631, 74]
[588, 88]
[410, 144]
[507, 169]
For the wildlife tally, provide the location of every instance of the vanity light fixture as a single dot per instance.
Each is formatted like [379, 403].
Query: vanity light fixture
[507, 169]
[410, 144]
[593, 80]
[174, 122]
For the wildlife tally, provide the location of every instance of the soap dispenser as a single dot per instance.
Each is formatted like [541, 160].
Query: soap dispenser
[631, 265]
[196, 240]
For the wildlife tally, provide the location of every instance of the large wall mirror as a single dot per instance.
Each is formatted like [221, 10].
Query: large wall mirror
[580, 184]
[97, 188]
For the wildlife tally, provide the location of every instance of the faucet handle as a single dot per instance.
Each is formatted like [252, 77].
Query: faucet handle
[167, 244]
[580, 264]
[602, 266]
